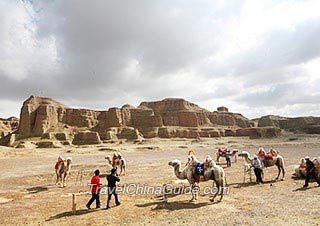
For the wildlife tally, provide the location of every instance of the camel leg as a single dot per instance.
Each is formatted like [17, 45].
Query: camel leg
[65, 180]
[222, 190]
[215, 195]
[62, 181]
[279, 171]
[120, 171]
[57, 180]
[193, 186]
[283, 172]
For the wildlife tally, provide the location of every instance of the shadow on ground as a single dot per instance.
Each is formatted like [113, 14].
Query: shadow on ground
[176, 205]
[304, 189]
[37, 189]
[248, 184]
[69, 213]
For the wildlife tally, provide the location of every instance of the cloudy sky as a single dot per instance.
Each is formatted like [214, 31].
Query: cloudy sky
[255, 57]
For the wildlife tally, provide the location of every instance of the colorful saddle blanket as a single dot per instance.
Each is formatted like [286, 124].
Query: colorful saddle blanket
[199, 168]
[222, 153]
[268, 157]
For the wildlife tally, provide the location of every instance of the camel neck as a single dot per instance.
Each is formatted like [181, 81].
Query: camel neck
[178, 172]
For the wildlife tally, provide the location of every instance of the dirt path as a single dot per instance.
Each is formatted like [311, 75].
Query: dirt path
[27, 187]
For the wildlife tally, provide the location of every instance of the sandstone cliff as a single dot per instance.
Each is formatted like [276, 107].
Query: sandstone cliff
[172, 117]
[298, 124]
[8, 125]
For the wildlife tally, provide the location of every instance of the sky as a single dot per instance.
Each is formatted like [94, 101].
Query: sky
[254, 57]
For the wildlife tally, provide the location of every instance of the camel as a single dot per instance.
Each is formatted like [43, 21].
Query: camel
[120, 162]
[276, 160]
[62, 171]
[222, 153]
[215, 173]
[300, 170]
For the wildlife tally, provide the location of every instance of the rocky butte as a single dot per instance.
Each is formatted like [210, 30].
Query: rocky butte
[53, 124]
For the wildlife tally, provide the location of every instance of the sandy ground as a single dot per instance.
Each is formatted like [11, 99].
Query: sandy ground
[29, 196]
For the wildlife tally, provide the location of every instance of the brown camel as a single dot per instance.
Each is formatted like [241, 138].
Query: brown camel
[63, 171]
[222, 153]
[120, 162]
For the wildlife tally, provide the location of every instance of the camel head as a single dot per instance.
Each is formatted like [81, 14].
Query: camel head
[108, 158]
[209, 161]
[235, 151]
[174, 163]
[69, 160]
[244, 154]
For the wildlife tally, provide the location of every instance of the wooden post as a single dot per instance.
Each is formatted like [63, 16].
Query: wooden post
[74, 203]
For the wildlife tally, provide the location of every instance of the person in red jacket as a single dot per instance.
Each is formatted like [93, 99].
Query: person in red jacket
[95, 190]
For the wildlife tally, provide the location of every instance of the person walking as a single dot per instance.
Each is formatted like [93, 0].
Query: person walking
[228, 158]
[310, 172]
[256, 163]
[112, 180]
[95, 190]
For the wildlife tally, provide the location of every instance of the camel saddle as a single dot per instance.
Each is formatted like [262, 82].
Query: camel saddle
[222, 153]
[268, 157]
[57, 164]
[200, 168]
[265, 157]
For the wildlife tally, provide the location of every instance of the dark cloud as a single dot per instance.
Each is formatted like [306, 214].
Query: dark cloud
[108, 53]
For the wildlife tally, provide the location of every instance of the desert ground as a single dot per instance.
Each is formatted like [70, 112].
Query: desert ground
[29, 196]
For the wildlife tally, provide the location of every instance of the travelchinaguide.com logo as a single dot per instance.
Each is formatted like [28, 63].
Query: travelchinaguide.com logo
[145, 189]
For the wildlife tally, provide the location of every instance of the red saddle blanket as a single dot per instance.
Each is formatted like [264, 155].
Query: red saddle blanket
[268, 157]
[222, 153]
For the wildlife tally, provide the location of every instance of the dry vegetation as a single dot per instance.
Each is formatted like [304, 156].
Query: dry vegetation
[28, 195]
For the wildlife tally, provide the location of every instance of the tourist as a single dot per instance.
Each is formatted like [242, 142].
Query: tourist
[191, 157]
[256, 163]
[228, 158]
[310, 172]
[95, 190]
[112, 180]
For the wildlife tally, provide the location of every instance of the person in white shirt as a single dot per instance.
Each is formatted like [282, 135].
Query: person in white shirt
[256, 163]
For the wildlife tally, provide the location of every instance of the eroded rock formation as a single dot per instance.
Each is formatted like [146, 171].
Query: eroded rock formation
[50, 120]
[8, 125]
[298, 124]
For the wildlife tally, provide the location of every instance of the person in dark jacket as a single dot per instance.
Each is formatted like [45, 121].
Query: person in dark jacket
[95, 190]
[310, 172]
[228, 158]
[112, 180]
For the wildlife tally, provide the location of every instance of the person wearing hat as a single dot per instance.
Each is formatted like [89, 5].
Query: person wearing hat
[191, 157]
[95, 190]
[310, 172]
[256, 163]
[112, 180]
